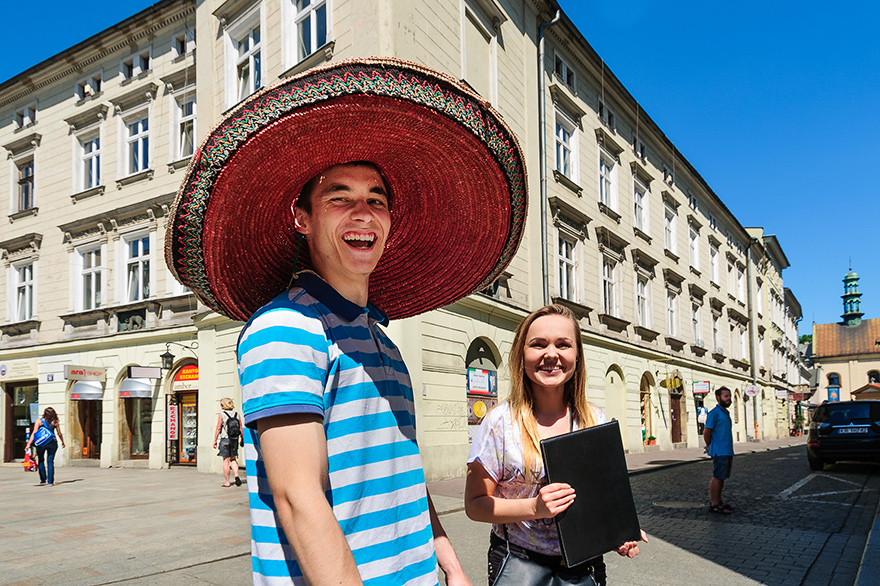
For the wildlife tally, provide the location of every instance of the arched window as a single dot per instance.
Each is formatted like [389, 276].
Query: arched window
[874, 377]
[833, 380]
[736, 407]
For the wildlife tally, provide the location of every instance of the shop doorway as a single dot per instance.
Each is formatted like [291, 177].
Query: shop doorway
[136, 395]
[675, 414]
[181, 409]
[86, 416]
[22, 411]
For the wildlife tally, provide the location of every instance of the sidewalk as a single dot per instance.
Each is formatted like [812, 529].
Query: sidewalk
[448, 495]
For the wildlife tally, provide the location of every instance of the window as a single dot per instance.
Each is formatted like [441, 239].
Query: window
[24, 297]
[186, 126]
[565, 147]
[716, 334]
[713, 263]
[640, 206]
[311, 26]
[25, 116]
[743, 343]
[761, 351]
[90, 161]
[88, 87]
[731, 282]
[759, 302]
[643, 316]
[137, 268]
[135, 65]
[672, 313]
[25, 185]
[639, 148]
[479, 47]
[669, 227]
[90, 278]
[248, 63]
[833, 380]
[138, 144]
[564, 71]
[184, 43]
[567, 269]
[697, 324]
[609, 286]
[694, 247]
[874, 377]
[740, 284]
[607, 115]
[607, 180]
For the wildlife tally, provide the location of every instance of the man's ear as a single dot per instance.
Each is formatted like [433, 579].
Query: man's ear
[300, 221]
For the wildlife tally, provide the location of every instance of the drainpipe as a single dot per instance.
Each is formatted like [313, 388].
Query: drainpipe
[542, 149]
[753, 336]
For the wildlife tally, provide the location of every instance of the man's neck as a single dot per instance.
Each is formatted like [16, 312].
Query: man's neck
[355, 291]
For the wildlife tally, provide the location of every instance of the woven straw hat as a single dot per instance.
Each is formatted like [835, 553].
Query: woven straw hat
[453, 167]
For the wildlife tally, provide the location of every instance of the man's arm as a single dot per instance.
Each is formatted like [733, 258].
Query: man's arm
[707, 436]
[446, 558]
[294, 450]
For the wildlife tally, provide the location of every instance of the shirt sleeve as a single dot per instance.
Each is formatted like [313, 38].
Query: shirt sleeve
[283, 361]
[711, 420]
[488, 445]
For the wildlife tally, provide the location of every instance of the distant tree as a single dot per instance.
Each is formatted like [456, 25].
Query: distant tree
[806, 338]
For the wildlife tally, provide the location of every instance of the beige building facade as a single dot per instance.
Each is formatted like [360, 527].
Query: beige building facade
[673, 294]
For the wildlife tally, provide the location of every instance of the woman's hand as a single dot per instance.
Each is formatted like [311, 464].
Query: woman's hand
[630, 549]
[553, 499]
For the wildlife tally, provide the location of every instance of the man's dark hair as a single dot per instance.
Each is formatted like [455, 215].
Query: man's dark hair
[304, 201]
[720, 390]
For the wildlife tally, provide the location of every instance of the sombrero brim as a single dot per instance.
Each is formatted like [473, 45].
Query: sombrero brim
[454, 169]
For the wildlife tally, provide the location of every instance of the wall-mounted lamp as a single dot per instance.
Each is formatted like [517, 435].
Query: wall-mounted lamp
[168, 358]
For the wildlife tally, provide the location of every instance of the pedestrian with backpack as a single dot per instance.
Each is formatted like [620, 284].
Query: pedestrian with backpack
[43, 437]
[229, 432]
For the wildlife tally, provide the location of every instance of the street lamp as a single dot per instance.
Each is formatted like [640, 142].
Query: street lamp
[168, 358]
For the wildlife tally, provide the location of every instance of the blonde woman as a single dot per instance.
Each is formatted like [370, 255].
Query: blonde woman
[506, 484]
[229, 432]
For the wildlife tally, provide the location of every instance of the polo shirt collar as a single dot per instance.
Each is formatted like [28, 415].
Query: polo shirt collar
[321, 290]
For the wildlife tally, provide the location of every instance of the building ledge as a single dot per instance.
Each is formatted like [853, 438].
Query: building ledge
[646, 334]
[23, 214]
[613, 322]
[99, 190]
[563, 180]
[134, 178]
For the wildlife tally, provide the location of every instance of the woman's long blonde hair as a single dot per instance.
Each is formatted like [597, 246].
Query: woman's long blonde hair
[522, 397]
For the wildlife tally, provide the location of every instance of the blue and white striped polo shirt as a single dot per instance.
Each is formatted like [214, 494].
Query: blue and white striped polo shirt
[312, 351]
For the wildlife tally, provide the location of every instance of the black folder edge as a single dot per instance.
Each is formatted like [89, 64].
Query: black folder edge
[619, 474]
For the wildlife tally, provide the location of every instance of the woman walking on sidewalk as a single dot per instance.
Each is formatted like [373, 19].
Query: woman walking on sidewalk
[506, 483]
[49, 421]
[229, 430]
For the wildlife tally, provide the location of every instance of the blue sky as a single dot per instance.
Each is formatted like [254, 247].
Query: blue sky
[776, 104]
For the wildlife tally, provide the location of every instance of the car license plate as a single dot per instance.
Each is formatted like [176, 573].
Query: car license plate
[852, 430]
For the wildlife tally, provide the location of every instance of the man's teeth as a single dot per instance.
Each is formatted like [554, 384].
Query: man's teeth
[361, 237]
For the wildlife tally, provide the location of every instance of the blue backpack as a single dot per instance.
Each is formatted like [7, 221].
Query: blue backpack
[43, 436]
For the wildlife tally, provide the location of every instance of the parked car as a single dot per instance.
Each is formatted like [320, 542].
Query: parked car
[848, 430]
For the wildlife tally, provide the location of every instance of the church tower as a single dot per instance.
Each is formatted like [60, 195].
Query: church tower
[852, 316]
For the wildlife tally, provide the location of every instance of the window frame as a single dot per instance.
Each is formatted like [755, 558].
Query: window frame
[127, 260]
[610, 268]
[96, 274]
[310, 12]
[608, 167]
[714, 256]
[565, 122]
[89, 82]
[21, 181]
[640, 199]
[643, 300]
[564, 71]
[669, 227]
[86, 158]
[694, 246]
[697, 322]
[25, 116]
[567, 281]
[178, 121]
[136, 64]
[136, 116]
[672, 325]
[606, 115]
[234, 32]
[30, 288]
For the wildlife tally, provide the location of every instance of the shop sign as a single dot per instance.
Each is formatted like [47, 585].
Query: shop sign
[781, 393]
[186, 379]
[796, 396]
[172, 422]
[95, 373]
[751, 390]
[152, 372]
[701, 388]
[482, 382]
[18, 369]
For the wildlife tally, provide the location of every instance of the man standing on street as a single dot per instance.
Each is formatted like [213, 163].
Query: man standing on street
[718, 434]
[369, 182]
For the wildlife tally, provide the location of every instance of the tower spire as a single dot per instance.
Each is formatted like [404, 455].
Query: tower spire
[852, 314]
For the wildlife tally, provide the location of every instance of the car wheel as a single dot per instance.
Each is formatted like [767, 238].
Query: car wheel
[816, 463]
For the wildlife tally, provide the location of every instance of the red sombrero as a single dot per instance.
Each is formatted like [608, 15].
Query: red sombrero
[454, 168]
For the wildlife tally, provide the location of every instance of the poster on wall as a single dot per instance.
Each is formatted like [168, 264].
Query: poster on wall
[186, 379]
[482, 382]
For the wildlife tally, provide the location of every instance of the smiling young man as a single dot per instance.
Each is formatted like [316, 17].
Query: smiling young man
[357, 178]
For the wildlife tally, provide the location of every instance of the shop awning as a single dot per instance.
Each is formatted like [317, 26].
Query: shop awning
[136, 388]
[87, 390]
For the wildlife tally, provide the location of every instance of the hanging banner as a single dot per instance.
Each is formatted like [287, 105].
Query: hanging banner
[701, 388]
[482, 382]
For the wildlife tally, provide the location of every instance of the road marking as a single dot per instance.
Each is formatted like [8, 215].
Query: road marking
[787, 493]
